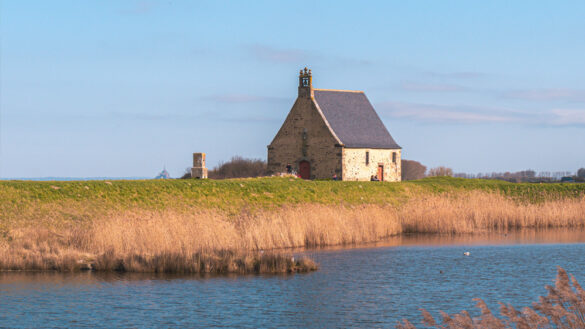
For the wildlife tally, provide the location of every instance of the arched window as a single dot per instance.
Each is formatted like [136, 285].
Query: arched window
[367, 158]
[393, 157]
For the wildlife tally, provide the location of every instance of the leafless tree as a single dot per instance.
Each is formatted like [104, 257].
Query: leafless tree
[187, 173]
[412, 170]
[239, 167]
[440, 171]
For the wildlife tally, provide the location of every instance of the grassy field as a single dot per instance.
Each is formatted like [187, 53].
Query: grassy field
[164, 225]
[236, 195]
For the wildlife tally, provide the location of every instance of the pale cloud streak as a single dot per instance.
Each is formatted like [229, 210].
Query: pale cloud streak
[140, 7]
[268, 53]
[455, 75]
[271, 54]
[468, 114]
[558, 94]
[568, 117]
[431, 87]
[242, 98]
[447, 113]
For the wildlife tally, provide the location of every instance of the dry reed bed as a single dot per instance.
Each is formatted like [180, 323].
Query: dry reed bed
[205, 240]
[562, 308]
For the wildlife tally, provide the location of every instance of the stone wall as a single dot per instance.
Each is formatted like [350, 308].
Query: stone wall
[305, 136]
[355, 167]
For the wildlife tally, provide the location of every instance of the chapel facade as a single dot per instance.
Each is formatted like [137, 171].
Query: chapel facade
[334, 133]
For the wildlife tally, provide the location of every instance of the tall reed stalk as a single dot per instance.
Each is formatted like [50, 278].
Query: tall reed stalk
[562, 308]
[176, 240]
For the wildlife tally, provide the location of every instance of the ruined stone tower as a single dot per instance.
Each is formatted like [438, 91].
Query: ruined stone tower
[199, 170]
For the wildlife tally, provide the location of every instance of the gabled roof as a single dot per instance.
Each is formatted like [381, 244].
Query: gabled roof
[353, 119]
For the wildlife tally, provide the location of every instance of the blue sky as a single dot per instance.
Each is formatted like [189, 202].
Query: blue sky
[122, 88]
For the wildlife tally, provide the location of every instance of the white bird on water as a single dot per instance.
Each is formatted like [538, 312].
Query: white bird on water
[466, 253]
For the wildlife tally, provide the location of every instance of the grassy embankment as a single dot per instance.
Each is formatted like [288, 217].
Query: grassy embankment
[219, 226]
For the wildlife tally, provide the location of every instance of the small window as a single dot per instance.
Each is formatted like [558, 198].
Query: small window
[367, 158]
[393, 157]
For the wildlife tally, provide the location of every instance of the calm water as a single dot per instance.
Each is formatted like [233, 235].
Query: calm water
[360, 287]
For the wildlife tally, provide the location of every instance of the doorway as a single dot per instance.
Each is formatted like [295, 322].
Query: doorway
[305, 169]
[381, 173]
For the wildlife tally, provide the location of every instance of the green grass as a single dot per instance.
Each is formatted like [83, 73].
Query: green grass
[78, 200]
[524, 192]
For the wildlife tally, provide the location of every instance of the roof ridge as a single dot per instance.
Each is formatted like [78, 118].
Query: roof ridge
[340, 90]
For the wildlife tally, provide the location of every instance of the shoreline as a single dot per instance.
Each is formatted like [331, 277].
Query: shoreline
[51, 226]
[297, 260]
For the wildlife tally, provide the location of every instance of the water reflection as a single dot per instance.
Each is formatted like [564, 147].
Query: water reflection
[18, 280]
[548, 236]
[362, 286]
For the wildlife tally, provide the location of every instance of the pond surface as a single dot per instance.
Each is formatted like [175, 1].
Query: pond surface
[371, 286]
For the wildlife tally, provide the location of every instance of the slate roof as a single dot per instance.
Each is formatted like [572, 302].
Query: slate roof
[353, 119]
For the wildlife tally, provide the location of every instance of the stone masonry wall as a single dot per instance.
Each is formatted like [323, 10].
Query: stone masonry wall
[198, 170]
[355, 168]
[305, 136]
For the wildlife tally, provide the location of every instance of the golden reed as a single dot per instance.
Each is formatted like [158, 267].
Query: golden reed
[562, 308]
[206, 240]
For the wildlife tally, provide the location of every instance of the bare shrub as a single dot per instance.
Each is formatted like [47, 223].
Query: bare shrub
[239, 167]
[440, 171]
[187, 173]
[412, 170]
[527, 176]
[563, 307]
[581, 173]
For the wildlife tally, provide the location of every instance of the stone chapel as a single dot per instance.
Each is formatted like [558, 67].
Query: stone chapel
[334, 132]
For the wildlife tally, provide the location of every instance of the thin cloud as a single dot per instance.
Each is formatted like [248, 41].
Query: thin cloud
[568, 117]
[267, 53]
[475, 114]
[207, 116]
[455, 75]
[242, 98]
[442, 113]
[251, 119]
[431, 87]
[290, 55]
[346, 61]
[567, 94]
[138, 7]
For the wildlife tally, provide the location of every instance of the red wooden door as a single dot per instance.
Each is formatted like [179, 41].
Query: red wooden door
[305, 169]
[381, 172]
